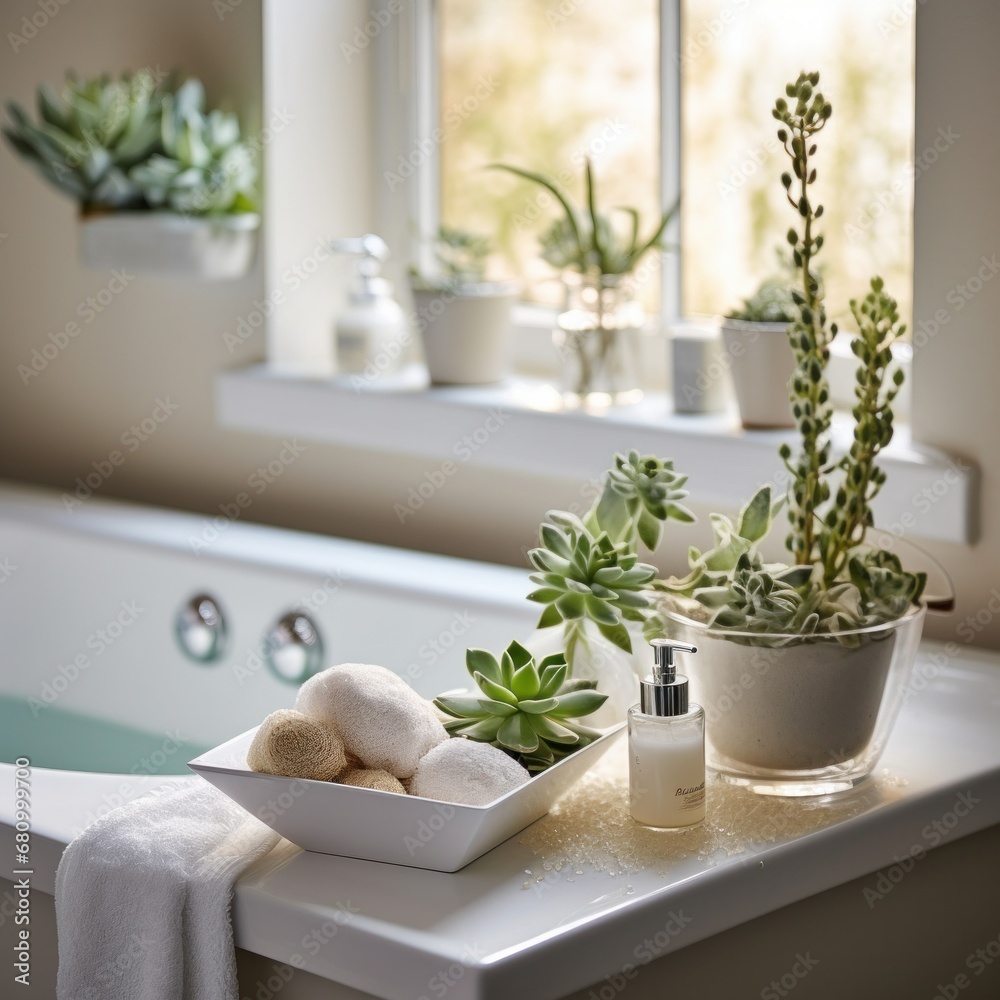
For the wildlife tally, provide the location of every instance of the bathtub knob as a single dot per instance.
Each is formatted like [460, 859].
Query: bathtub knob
[293, 648]
[200, 628]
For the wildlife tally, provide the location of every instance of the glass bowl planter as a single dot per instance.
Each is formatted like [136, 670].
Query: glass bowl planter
[798, 716]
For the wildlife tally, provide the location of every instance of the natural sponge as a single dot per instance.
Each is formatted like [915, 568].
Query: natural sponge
[464, 771]
[292, 744]
[363, 777]
[383, 722]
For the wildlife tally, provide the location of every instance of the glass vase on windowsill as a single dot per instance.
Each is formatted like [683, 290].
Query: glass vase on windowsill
[595, 337]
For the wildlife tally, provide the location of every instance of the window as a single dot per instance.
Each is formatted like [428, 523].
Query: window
[547, 86]
[543, 83]
[735, 57]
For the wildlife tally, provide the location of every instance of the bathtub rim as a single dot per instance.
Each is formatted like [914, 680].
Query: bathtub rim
[283, 550]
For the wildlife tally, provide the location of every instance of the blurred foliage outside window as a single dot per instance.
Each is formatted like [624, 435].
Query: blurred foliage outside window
[543, 84]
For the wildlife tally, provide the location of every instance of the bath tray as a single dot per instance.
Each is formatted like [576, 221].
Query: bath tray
[383, 826]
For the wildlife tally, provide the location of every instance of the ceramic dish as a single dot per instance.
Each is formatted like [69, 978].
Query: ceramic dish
[383, 826]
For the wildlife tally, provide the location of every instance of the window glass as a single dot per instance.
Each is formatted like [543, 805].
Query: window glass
[543, 84]
[736, 57]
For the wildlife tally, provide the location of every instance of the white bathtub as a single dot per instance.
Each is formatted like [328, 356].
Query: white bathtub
[96, 691]
[88, 609]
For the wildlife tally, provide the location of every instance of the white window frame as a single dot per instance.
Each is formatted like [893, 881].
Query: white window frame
[330, 173]
[406, 96]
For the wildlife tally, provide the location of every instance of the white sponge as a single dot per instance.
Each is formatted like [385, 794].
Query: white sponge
[383, 722]
[467, 772]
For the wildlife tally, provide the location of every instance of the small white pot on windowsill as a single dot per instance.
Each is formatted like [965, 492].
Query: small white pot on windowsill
[762, 364]
[466, 331]
[215, 248]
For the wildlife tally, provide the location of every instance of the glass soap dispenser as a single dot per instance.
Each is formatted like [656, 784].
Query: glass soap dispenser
[666, 746]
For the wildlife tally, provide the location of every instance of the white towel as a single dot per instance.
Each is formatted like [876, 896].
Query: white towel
[143, 897]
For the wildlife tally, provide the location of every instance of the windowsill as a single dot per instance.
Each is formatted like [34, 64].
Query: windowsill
[533, 352]
[517, 426]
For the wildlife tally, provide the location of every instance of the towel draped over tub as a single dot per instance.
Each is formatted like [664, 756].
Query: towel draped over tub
[143, 897]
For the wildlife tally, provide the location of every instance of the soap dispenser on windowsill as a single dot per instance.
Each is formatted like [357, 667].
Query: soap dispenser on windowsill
[371, 331]
[666, 746]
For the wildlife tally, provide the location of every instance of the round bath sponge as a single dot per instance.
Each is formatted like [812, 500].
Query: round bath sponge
[467, 772]
[383, 722]
[293, 745]
[362, 777]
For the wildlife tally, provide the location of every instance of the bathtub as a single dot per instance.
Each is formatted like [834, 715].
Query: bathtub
[101, 697]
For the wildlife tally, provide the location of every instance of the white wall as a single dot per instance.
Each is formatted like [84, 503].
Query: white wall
[166, 338]
[956, 226]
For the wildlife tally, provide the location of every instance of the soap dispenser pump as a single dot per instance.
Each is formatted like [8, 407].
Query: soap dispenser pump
[666, 746]
[371, 332]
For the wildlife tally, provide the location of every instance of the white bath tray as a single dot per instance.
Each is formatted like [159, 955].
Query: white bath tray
[328, 818]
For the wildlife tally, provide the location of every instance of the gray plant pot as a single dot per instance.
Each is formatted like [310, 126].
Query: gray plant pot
[762, 364]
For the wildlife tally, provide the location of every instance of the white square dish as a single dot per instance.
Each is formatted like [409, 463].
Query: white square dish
[328, 818]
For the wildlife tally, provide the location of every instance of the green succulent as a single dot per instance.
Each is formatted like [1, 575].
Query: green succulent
[89, 137]
[587, 240]
[886, 589]
[731, 588]
[528, 709]
[715, 566]
[205, 168]
[771, 303]
[460, 259]
[586, 577]
[754, 600]
[640, 493]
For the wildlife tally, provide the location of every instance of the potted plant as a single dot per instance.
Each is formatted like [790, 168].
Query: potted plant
[597, 254]
[595, 590]
[755, 337]
[803, 663]
[162, 185]
[464, 319]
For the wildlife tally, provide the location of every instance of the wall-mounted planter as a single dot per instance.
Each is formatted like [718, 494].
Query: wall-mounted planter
[164, 243]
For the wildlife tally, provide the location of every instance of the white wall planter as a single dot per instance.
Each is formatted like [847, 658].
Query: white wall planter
[762, 364]
[466, 333]
[207, 249]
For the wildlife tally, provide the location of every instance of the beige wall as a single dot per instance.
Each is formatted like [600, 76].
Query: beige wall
[162, 338]
[956, 225]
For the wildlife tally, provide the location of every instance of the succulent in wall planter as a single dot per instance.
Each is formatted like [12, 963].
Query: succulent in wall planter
[755, 338]
[163, 186]
[464, 320]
